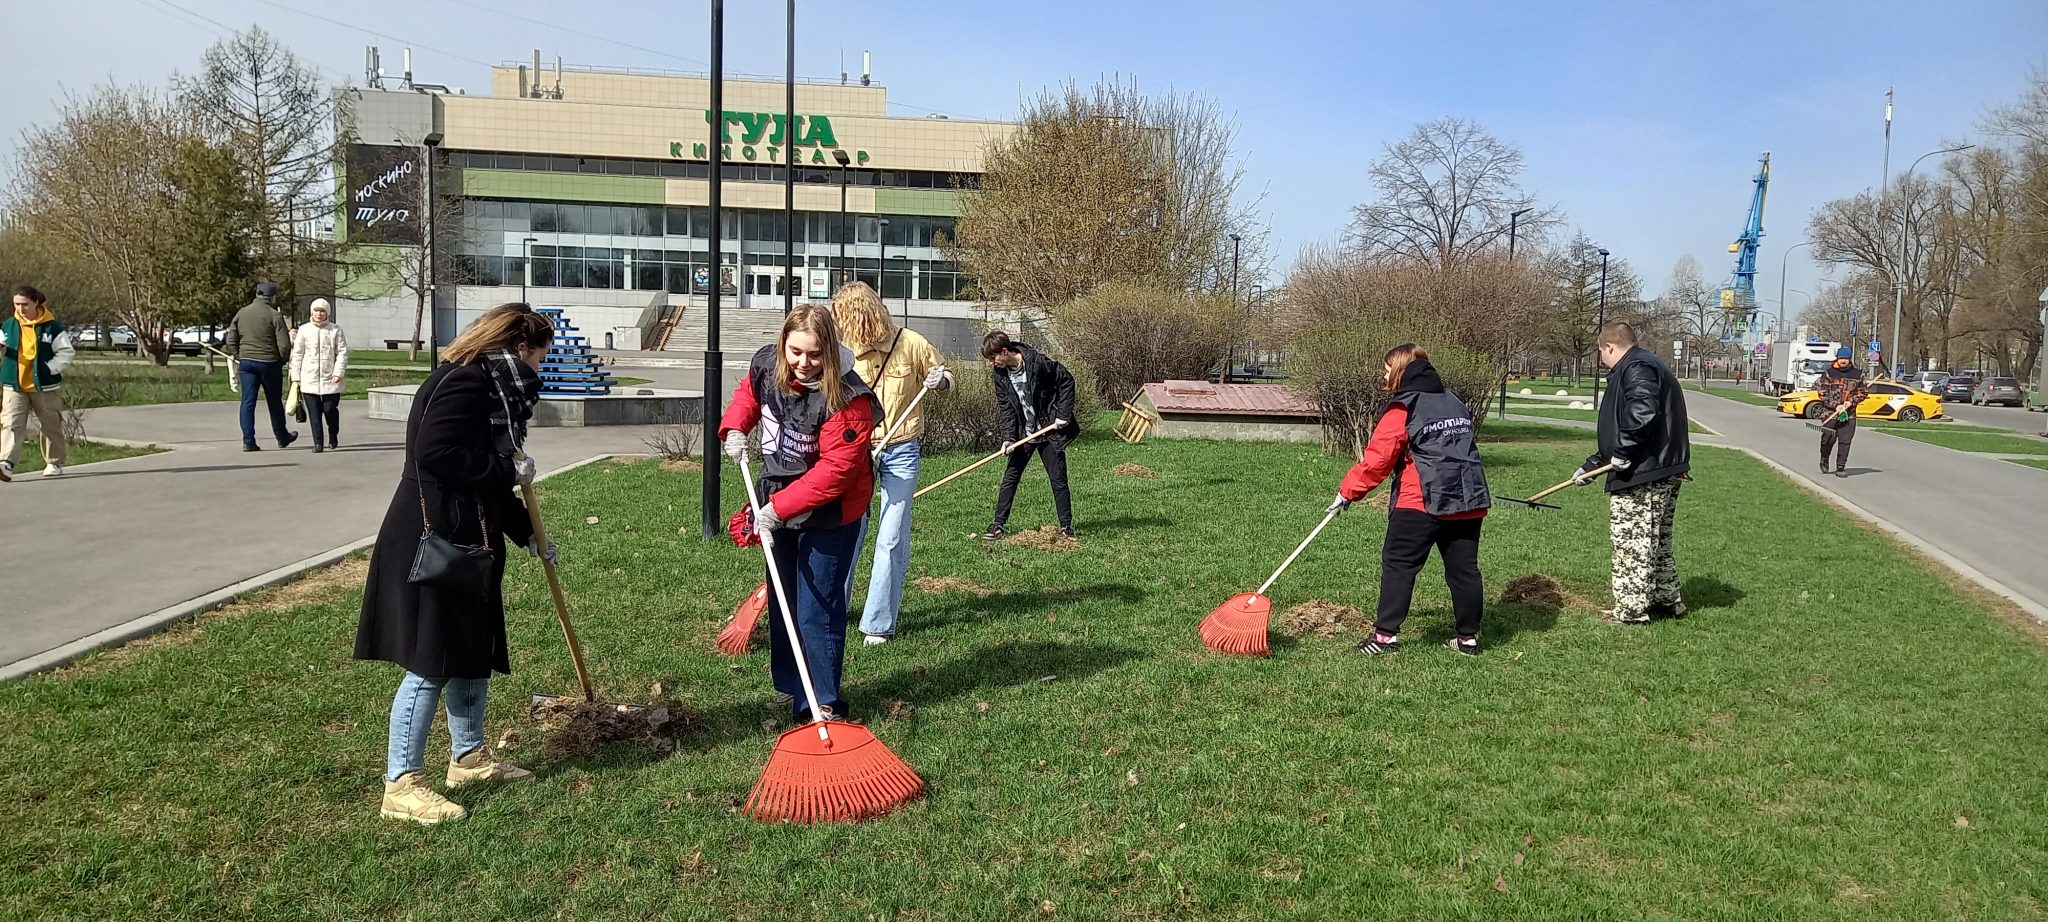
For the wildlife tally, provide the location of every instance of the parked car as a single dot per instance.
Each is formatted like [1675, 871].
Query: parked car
[1956, 387]
[1887, 400]
[2001, 391]
[117, 338]
[1924, 380]
[188, 341]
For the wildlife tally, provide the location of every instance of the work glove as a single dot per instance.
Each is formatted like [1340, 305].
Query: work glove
[1582, 476]
[524, 470]
[1059, 424]
[551, 553]
[1006, 448]
[1338, 505]
[765, 519]
[938, 378]
[736, 445]
[1620, 463]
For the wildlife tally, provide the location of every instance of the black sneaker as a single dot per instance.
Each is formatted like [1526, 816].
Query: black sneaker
[1373, 646]
[833, 713]
[1823, 465]
[1466, 645]
[1841, 472]
[251, 446]
[1067, 531]
[318, 448]
[1675, 610]
[287, 440]
[994, 533]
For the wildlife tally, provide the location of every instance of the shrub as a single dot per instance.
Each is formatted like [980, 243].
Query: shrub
[966, 418]
[1131, 333]
[1337, 367]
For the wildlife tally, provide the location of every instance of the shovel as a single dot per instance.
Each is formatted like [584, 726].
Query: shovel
[1532, 503]
[540, 539]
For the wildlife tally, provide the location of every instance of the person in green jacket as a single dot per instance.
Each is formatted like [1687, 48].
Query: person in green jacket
[34, 351]
[261, 342]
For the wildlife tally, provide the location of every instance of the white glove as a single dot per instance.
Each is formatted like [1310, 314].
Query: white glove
[1006, 448]
[1338, 505]
[765, 519]
[524, 469]
[736, 445]
[1059, 424]
[938, 378]
[551, 553]
[1620, 463]
[1581, 477]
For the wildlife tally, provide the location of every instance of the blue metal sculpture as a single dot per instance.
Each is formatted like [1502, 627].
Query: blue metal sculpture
[571, 368]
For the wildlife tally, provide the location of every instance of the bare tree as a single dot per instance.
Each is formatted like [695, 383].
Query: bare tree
[1828, 316]
[1690, 311]
[1446, 193]
[1100, 185]
[1574, 313]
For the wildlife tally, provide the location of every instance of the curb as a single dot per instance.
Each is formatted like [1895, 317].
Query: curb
[158, 621]
[1964, 570]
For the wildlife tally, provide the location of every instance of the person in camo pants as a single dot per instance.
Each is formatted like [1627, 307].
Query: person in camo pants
[1643, 434]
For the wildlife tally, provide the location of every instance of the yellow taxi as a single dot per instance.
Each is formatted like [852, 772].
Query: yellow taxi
[1887, 400]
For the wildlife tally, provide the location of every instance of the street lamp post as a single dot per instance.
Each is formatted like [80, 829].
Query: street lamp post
[844, 161]
[1230, 351]
[1514, 224]
[1899, 277]
[1784, 261]
[789, 163]
[714, 360]
[1599, 328]
[432, 226]
[525, 265]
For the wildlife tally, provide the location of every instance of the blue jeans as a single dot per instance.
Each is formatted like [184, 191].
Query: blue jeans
[896, 478]
[814, 566]
[270, 377]
[412, 715]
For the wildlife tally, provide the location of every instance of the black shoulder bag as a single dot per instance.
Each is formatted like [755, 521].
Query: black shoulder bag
[459, 570]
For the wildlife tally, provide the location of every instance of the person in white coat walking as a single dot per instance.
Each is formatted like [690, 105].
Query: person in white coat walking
[319, 362]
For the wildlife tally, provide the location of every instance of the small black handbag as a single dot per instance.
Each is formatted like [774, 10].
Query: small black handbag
[459, 570]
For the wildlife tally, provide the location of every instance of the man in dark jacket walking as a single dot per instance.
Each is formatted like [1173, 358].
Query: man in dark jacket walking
[1643, 434]
[261, 342]
[1841, 389]
[1032, 392]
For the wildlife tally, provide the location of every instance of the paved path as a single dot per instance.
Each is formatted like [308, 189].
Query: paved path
[1988, 514]
[112, 542]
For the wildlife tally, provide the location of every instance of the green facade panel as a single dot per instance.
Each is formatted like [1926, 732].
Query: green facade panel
[373, 273]
[936, 202]
[565, 187]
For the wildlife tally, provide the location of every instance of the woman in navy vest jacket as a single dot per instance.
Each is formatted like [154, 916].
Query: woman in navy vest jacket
[816, 420]
[1425, 441]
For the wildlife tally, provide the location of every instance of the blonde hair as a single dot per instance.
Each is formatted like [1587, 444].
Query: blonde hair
[507, 326]
[817, 321]
[861, 316]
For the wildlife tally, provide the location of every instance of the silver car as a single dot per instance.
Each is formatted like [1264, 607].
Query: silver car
[2002, 391]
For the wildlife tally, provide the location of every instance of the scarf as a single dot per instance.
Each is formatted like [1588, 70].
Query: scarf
[26, 371]
[518, 389]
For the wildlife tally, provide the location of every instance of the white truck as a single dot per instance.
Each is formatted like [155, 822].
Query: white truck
[1795, 366]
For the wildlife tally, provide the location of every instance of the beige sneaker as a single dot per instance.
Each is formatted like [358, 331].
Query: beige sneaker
[481, 765]
[409, 798]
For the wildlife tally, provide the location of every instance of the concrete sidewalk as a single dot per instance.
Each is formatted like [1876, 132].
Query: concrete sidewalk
[110, 543]
[1986, 514]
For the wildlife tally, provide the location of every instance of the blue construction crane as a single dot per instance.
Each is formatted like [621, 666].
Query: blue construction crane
[1738, 297]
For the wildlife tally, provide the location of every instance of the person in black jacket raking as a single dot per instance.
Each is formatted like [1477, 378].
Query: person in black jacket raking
[1032, 392]
[1643, 433]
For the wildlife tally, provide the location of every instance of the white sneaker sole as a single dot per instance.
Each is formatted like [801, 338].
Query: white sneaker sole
[395, 815]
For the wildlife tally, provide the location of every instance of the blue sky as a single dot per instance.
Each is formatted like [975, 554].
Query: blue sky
[1641, 119]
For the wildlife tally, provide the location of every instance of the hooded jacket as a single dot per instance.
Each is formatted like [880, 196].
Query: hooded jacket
[1051, 388]
[319, 355]
[1424, 441]
[1642, 421]
[46, 347]
[259, 333]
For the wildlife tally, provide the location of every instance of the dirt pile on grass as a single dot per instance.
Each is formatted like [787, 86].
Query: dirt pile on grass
[577, 728]
[1127, 469]
[1323, 619]
[1542, 592]
[1045, 539]
[939, 585]
[682, 465]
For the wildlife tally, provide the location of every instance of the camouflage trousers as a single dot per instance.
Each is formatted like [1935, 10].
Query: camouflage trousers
[1645, 570]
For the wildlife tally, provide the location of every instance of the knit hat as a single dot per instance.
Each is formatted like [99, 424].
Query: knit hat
[320, 304]
[1842, 353]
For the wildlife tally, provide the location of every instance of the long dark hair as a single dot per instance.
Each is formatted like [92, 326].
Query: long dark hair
[507, 326]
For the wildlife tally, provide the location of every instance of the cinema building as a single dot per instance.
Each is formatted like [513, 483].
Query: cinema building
[589, 189]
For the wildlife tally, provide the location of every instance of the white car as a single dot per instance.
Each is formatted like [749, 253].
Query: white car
[188, 341]
[117, 338]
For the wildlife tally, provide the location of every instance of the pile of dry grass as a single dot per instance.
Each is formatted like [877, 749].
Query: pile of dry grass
[1542, 592]
[577, 728]
[682, 465]
[1045, 539]
[938, 585]
[1324, 619]
[1127, 469]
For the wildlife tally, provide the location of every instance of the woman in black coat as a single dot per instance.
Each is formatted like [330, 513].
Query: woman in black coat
[468, 422]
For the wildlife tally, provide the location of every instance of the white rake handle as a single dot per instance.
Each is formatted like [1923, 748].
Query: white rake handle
[1327, 519]
[796, 641]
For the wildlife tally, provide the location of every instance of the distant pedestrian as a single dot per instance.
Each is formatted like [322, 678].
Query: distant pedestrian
[261, 342]
[35, 353]
[1032, 391]
[464, 454]
[1842, 389]
[1425, 442]
[319, 363]
[1643, 434]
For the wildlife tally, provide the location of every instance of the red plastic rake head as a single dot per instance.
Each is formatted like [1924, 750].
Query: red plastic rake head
[1239, 625]
[734, 639]
[849, 777]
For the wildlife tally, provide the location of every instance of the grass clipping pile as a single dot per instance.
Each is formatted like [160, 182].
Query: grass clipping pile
[1127, 469]
[577, 728]
[1045, 539]
[939, 585]
[1323, 619]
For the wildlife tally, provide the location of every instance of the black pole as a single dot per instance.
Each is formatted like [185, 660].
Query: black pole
[1514, 221]
[1599, 328]
[433, 229]
[843, 233]
[789, 173]
[714, 361]
[1230, 353]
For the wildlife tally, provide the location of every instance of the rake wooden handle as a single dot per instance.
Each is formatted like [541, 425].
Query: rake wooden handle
[540, 540]
[997, 454]
[1602, 469]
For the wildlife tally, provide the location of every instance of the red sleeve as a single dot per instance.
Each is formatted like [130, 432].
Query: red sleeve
[842, 460]
[744, 410]
[1389, 443]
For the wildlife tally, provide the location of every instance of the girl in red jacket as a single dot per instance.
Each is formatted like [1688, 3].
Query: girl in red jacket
[1425, 441]
[816, 420]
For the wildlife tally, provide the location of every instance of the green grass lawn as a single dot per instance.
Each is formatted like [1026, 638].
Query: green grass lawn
[1749, 397]
[77, 452]
[1832, 734]
[2042, 464]
[1996, 441]
[121, 384]
[386, 357]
